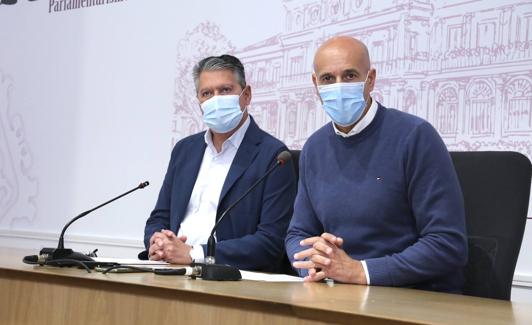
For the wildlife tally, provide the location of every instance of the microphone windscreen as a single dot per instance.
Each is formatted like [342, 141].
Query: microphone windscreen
[31, 259]
[283, 157]
[144, 184]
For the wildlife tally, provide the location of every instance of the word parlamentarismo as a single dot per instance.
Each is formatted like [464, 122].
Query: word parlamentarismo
[64, 5]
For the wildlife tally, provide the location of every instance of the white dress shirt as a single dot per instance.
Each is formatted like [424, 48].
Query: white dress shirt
[200, 214]
[361, 125]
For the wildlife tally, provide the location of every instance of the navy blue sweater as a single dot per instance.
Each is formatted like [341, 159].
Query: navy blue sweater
[392, 194]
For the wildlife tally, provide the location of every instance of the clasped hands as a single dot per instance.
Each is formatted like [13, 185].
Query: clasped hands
[166, 246]
[325, 258]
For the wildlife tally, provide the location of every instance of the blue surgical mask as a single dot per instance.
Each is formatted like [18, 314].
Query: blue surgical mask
[343, 102]
[222, 114]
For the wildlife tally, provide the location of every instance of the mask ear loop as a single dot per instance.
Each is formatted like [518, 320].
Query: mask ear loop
[243, 89]
[200, 108]
[245, 108]
[200, 104]
[366, 80]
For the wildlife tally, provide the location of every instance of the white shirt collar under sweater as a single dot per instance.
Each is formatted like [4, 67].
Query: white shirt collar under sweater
[362, 124]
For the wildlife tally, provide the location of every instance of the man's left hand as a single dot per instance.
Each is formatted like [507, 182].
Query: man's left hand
[326, 259]
[175, 249]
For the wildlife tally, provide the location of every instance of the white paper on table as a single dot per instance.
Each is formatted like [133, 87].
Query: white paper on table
[128, 261]
[257, 276]
[246, 275]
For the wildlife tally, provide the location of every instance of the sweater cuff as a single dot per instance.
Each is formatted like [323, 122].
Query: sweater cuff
[302, 272]
[379, 270]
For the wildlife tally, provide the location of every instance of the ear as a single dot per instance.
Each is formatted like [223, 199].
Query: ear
[370, 83]
[372, 75]
[199, 105]
[315, 82]
[245, 99]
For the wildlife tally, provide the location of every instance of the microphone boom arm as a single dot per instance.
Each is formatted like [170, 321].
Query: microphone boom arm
[281, 159]
[61, 245]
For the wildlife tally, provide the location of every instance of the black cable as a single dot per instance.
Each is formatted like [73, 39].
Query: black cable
[136, 268]
[34, 260]
[57, 262]
[163, 271]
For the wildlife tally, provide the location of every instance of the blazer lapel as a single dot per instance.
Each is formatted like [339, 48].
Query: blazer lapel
[188, 174]
[245, 155]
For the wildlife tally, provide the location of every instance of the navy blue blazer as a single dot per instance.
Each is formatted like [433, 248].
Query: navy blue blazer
[251, 236]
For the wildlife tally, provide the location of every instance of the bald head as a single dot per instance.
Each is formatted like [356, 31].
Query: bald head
[343, 47]
[343, 59]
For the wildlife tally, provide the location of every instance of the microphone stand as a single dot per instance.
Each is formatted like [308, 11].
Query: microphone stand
[219, 272]
[65, 254]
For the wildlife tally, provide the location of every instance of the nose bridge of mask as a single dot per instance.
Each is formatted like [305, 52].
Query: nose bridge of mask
[219, 102]
[352, 88]
[222, 101]
[342, 91]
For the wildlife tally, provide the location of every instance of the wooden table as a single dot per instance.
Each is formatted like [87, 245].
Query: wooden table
[50, 296]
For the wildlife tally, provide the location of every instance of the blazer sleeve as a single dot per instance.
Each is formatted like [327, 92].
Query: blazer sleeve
[160, 216]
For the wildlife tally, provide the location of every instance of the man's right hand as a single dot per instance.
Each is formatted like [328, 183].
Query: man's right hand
[326, 259]
[157, 240]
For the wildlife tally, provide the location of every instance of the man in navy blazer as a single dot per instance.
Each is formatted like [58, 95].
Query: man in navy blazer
[210, 170]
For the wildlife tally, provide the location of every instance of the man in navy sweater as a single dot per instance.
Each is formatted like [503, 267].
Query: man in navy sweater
[378, 200]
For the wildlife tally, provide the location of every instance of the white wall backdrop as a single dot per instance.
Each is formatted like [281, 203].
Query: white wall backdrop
[92, 99]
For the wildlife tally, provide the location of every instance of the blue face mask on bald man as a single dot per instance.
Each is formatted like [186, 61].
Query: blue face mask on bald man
[344, 101]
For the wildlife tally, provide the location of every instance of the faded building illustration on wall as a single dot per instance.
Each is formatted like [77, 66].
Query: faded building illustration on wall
[465, 66]
[18, 184]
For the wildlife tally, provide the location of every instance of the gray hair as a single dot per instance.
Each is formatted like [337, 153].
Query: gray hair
[222, 62]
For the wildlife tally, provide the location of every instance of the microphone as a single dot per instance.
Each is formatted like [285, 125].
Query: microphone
[213, 271]
[65, 254]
